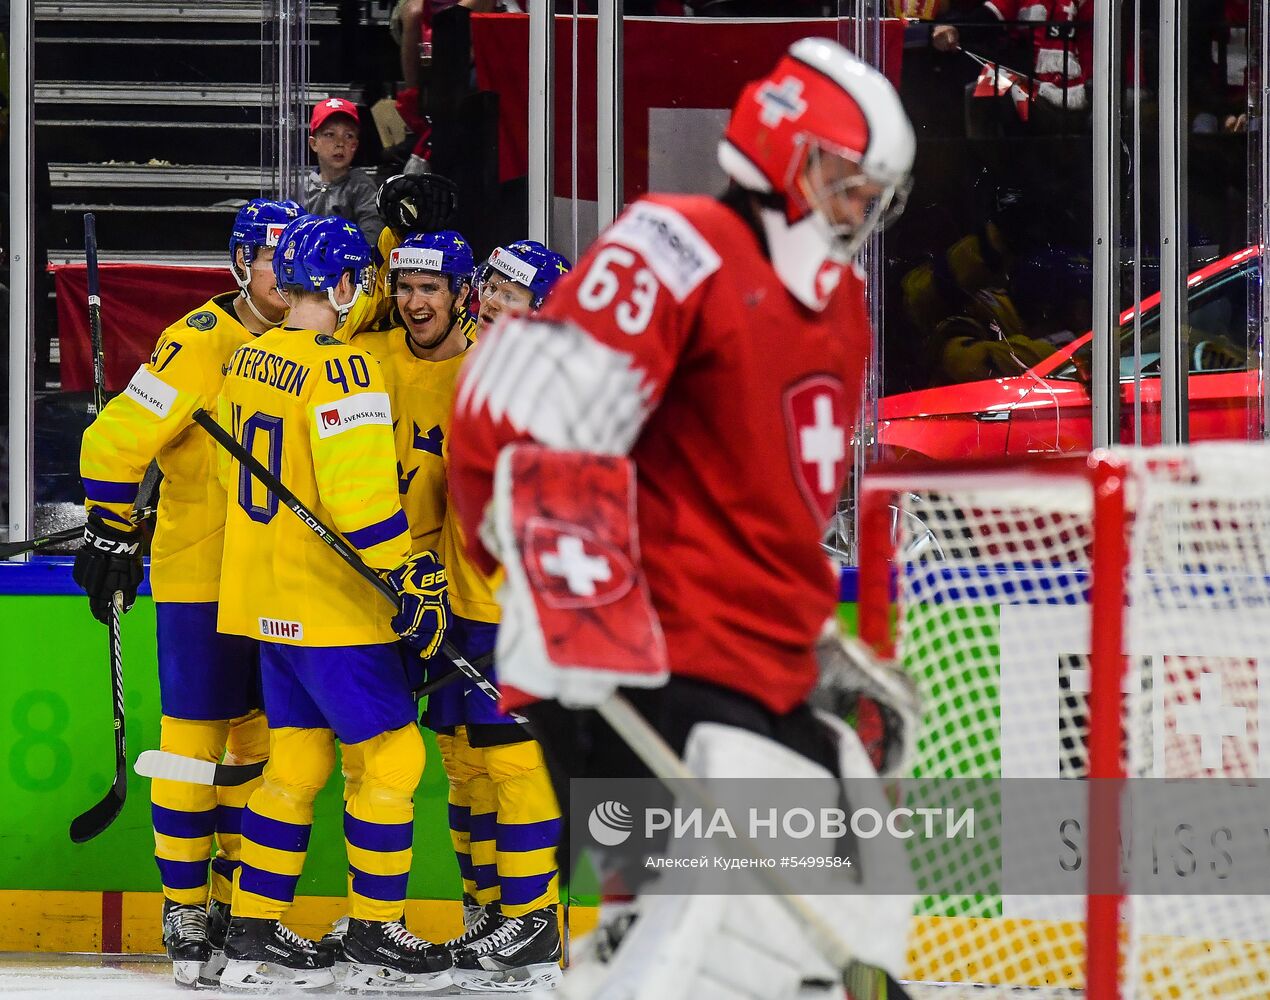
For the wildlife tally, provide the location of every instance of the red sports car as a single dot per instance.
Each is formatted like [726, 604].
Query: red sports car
[1047, 408]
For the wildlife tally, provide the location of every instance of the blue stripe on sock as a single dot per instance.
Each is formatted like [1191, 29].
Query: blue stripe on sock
[224, 867]
[275, 833]
[484, 826]
[485, 876]
[460, 818]
[465, 866]
[182, 874]
[229, 819]
[179, 823]
[522, 889]
[528, 836]
[384, 837]
[387, 888]
[268, 884]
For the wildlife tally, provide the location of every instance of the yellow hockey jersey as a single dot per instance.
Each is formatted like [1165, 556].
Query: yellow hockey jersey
[151, 419]
[422, 395]
[471, 592]
[315, 411]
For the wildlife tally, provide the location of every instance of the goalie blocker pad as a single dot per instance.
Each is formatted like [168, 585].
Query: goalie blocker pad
[578, 621]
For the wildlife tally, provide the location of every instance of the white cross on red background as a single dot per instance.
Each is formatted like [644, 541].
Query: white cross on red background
[580, 571]
[1210, 720]
[781, 102]
[823, 444]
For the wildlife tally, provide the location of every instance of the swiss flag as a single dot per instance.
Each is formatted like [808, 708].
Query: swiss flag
[1208, 709]
[572, 567]
[997, 81]
[816, 424]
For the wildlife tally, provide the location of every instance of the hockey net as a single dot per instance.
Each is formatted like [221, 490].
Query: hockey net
[1069, 618]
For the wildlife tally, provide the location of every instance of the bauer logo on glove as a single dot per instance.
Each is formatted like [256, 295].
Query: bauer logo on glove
[420, 583]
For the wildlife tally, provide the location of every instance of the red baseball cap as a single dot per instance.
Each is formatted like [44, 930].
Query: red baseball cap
[331, 106]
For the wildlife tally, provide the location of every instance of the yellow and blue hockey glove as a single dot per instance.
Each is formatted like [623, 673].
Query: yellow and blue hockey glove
[421, 584]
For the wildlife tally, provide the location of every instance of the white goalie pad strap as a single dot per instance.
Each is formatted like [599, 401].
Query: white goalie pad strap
[578, 620]
[873, 909]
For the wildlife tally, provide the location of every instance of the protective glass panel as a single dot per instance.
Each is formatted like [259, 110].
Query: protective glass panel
[986, 282]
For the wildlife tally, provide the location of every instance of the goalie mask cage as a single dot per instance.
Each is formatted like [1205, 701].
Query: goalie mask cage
[1097, 617]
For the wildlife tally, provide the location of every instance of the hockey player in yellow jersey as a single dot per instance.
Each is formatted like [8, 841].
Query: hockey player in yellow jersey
[504, 817]
[208, 683]
[315, 411]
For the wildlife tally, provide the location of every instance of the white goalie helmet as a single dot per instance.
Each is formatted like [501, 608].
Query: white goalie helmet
[827, 135]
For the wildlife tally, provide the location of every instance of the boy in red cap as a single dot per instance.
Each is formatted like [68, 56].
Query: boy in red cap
[334, 188]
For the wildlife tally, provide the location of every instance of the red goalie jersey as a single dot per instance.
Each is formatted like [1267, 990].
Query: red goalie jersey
[675, 342]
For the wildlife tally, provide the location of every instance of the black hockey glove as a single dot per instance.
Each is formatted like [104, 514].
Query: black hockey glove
[109, 561]
[417, 203]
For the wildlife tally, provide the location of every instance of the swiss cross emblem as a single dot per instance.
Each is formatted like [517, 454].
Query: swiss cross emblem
[781, 101]
[573, 568]
[815, 419]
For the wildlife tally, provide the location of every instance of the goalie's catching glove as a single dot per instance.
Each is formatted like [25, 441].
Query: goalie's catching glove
[880, 700]
[108, 562]
[421, 584]
[417, 203]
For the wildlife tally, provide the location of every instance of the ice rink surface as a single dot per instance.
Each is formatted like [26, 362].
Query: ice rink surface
[93, 977]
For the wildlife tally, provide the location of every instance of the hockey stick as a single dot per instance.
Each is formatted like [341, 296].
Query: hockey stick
[174, 767]
[341, 547]
[88, 825]
[10, 549]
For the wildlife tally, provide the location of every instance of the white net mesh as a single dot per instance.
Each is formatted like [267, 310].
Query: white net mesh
[993, 620]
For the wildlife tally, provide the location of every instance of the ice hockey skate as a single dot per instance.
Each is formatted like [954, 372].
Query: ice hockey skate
[519, 954]
[217, 930]
[478, 921]
[185, 938]
[333, 942]
[265, 955]
[384, 955]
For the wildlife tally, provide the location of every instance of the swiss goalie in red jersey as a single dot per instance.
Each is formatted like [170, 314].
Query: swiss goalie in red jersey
[653, 458]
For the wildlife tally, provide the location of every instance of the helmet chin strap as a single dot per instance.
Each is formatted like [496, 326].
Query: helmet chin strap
[244, 292]
[342, 311]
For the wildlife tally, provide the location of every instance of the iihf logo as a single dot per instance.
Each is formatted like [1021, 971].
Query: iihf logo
[610, 823]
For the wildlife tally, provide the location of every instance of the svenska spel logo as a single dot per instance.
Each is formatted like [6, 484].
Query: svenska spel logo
[610, 823]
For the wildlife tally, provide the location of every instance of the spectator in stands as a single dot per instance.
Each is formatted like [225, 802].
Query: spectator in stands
[1061, 49]
[335, 188]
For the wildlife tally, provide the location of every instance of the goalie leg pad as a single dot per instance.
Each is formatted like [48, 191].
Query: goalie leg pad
[873, 912]
[578, 620]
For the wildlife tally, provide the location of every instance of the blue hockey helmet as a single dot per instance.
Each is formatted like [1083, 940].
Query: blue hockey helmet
[314, 251]
[258, 224]
[443, 252]
[528, 263]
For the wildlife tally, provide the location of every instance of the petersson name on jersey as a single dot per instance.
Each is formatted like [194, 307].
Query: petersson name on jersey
[259, 365]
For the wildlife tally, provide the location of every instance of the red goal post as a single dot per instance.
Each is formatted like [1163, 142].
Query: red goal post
[1057, 615]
